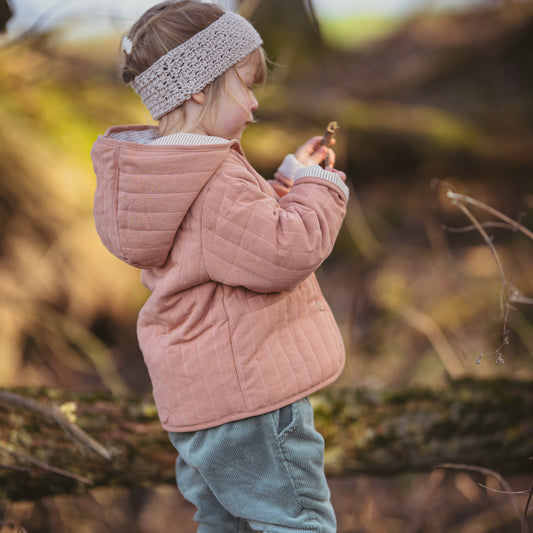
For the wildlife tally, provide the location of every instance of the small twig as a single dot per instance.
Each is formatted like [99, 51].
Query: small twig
[487, 472]
[464, 229]
[519, 298]
[483, 233]
[515, 492]
[509, 294]
[75, 432]
[526, 510]
[513, 223]
[14, 467]
[504, 301]
[429, 327]
[46, 466]
[329, 134]
[327, 140]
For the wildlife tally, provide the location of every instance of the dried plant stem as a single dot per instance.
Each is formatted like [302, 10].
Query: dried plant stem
[46, 466]
[526, 509]
[76, 433]
[502, 225]
[518, 298]
[515, 492]
[513, 224]
[509, 294]
[427, 325]
[14, 468]
[504, 299]
[503, 483]
[481, 229]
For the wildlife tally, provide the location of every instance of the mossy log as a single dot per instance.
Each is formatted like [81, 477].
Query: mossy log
[485, 423]
[54, 442]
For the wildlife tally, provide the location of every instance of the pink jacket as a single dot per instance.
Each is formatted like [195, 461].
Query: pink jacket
[236, 324]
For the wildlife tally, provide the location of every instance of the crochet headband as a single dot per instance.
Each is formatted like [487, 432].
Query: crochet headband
[190, 67]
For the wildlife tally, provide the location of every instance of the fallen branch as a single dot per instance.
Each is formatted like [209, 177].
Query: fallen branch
[468, 421]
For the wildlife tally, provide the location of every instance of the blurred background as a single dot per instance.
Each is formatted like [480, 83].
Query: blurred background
[429, 95]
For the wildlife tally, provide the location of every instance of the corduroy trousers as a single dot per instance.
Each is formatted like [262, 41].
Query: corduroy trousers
[264, 473]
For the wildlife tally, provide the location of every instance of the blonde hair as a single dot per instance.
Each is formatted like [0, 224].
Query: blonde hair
[169, 24]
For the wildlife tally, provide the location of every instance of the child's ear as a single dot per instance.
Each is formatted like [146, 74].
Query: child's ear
[199, 98]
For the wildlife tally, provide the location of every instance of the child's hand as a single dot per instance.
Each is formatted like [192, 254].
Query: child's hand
[312, 153]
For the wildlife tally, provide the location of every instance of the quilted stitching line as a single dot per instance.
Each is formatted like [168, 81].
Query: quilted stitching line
[116, 191]
[259, 237]
[282, 267]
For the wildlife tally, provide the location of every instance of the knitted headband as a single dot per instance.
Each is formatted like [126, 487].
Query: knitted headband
[191, 66]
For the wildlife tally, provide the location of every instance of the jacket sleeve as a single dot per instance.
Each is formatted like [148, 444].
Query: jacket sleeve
[265, 244]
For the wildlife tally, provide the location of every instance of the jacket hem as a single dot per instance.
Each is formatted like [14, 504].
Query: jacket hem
[241, 415]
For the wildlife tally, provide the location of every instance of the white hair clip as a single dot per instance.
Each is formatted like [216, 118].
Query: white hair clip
[127, 45]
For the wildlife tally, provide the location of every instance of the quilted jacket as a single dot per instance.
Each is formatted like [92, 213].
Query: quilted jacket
[236, 324]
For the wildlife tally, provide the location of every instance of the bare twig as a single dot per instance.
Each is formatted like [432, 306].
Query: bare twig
[327, 140]
[46, 466]
[526, 510]
[464, 229]
[14, 467]
[508, 220]
[519, 298]
[75, 432]
[516, 492]
[429, 327]
[487, 472]
[509, 294]
[504, 300]
[488, 240]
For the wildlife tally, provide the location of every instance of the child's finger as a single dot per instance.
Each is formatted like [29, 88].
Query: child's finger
[313, 144]
[319, 155]
[317, 139]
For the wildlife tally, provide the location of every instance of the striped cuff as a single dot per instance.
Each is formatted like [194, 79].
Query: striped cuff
[290, 166]
[316, 171]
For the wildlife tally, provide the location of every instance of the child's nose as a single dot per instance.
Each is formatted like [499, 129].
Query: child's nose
[254, 104]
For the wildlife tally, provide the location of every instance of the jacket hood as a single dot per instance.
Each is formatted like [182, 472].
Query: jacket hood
[143, 191]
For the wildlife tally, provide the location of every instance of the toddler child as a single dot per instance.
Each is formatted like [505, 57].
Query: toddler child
[236, 333]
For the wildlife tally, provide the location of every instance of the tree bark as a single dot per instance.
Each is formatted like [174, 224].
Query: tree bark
[56, 442]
